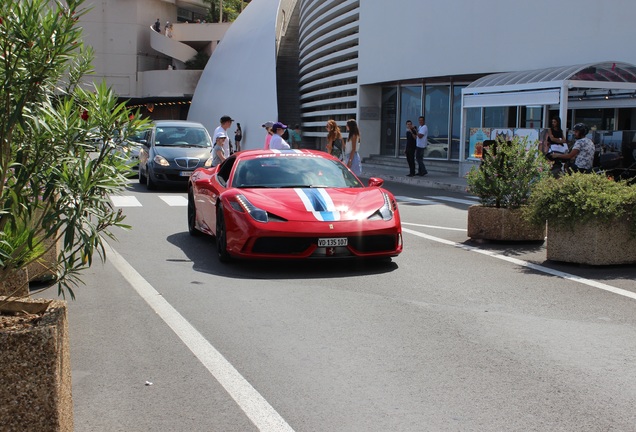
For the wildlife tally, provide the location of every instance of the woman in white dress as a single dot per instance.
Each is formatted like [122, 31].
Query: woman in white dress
[352, 147]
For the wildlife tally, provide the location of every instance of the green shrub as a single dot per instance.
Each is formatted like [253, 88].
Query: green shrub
[580, 198]
[507, 173]
[52, 185]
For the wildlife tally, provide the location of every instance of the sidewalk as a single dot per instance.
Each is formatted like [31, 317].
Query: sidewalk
[436, 180]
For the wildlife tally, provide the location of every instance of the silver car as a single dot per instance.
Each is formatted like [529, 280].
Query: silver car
[172, 151]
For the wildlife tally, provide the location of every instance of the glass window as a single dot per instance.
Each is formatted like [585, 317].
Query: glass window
[495, 117]
[456, 121]
[389, 121]
[437, 113]
[531, 117]
[596, 119]
[410, 109]
[473, 120]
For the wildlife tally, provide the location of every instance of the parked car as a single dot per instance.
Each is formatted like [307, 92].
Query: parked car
[292, 204]
[172, 151]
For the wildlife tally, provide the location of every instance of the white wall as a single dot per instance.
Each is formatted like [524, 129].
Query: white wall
[240, 78]
[416, 38]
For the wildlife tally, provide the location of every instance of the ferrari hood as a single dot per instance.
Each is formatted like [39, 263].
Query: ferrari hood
[317, 204]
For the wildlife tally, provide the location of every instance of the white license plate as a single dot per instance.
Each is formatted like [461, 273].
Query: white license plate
[330, 242]
[186, 173]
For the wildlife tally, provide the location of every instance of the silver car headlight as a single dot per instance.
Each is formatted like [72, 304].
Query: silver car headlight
[160, 160]
[385, 212]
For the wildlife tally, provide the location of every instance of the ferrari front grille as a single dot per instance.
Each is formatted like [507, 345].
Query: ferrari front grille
[297, 245]
[377, 243]
[282, 245]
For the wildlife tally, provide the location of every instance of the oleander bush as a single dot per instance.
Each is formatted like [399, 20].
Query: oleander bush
[53, 185]
[580, 198]
[507, 174]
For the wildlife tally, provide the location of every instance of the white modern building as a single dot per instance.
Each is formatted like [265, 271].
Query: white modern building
[385, 62]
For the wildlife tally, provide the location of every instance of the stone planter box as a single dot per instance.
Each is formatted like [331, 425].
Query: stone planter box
[501, 224]
[592, 244]
[46, 267]
[35, 377]
[20, 283]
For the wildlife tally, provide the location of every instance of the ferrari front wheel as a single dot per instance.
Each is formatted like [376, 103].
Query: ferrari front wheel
[221, 236]
[192, 216]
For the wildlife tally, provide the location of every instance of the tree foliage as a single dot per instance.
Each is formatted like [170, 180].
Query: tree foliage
[231, 10]
[52, 185]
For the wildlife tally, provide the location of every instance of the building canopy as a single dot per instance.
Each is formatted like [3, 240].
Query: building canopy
[555, 85]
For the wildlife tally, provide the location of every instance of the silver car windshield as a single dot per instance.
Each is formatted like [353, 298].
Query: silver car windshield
[173, 136]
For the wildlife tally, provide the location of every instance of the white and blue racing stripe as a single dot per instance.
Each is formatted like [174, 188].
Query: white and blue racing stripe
[319, 203]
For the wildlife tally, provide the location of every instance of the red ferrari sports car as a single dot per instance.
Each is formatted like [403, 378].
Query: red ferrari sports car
[263, 204]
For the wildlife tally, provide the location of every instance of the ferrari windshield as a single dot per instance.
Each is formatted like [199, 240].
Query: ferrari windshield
[293, 170]
[180, 136]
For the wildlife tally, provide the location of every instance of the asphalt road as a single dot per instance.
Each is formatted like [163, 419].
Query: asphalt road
[449, 336]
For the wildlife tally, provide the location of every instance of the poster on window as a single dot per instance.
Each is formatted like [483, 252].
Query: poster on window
[505, 134]
[477, 136]
[531, 134]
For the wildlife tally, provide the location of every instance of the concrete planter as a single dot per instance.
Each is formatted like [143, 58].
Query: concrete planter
[501, 224]
[17, 286]
[46, 267]
[35, 371]
[592, 244]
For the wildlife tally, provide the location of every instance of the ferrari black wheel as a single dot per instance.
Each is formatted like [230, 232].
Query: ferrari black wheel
[221, 236]
[192, 216]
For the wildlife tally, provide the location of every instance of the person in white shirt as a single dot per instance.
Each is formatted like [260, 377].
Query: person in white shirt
[420, 145]
[226, 122]
[277, 142]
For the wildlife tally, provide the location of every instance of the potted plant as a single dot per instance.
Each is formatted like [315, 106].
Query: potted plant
[591, 219]
[54, 192]
[503, 182]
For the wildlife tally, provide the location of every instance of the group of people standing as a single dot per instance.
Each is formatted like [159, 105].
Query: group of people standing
[278, 134]
[345, 150]
[580, 158]
[416, 143]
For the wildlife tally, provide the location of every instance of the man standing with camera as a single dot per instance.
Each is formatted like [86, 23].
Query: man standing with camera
[421, 144]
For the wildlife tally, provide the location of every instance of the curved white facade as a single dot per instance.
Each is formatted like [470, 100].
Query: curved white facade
[328, 64]
[352, 53]
[240, 77]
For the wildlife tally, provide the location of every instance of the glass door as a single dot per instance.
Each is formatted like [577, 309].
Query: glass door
[389, 133]
[410, 109]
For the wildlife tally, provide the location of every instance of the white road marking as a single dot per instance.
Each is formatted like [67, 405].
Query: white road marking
[435, 226]
[125, 201]
[415, 200]
[434, 200]
[257, 409]
[174, 200]
[527, 264]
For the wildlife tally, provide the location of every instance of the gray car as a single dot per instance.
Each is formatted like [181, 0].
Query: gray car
[172, 151]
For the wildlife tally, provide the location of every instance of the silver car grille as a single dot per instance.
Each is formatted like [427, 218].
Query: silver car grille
[185, 162]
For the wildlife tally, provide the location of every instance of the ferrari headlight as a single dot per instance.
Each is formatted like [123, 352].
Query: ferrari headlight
[160, 160]
[385, 212]
[257, 214]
